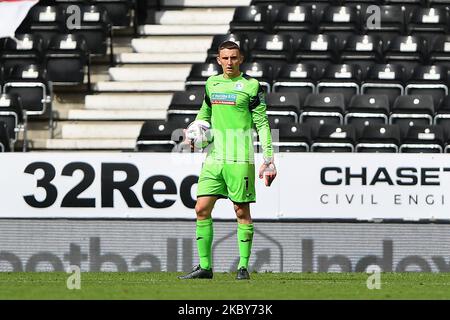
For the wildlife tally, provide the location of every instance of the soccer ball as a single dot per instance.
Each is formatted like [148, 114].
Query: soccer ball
[199, 131]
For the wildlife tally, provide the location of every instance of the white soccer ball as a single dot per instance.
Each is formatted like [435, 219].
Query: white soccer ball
[199, 131]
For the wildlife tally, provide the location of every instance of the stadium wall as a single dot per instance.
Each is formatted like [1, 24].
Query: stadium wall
[163, 245]
[134, 212]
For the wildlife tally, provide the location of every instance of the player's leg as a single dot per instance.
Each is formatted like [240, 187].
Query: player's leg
[240, 179]
[205, 230]
[245, 237]
[210, 188]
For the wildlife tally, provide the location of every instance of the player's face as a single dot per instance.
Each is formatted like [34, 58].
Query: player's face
[230, 60]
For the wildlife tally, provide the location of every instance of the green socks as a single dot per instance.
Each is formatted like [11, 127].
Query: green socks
[204, 234]
[245, 239]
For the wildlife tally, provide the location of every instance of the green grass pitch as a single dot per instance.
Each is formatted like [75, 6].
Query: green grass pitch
[273, 286]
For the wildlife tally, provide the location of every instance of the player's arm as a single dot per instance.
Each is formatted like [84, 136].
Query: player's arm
[258, 111]
[203, 114]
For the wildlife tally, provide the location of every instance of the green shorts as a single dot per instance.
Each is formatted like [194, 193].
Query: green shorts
[235, 181]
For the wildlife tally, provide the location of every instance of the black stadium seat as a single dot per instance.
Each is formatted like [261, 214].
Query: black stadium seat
[340, 21]
[323, 108]
[387, 79]
[410, 51]
[95, 27]
[298, 78]
[261, 71]
[11, 113]
[67, 60]
[367, 109]
[430, 80]
[255, 19]
[341, 78]
[31, 85]
[428, 23]
[283, 104]
[155, 136]
[439, 53]
[290, 137]
[363, 50]
[186, 102]
[442, 115]
[200, 72]
[334, 138]
[46, 21]
[412, 110]
[274, 49]
[379, 138]
[4, 138]
[296, 21]
[319, 49]
[423, 139]
[28, 49]
[391, 24]
[119, 11]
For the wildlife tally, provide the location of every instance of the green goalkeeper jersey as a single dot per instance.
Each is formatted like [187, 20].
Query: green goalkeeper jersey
[234, 108]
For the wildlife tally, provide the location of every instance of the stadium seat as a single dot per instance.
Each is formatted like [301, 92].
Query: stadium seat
[45, 21]
[365, 110]
[363, 50]
[11, 113]
[67, 59]
[95, 27]
[412, 110]
[200, 72]
[429, 80]
[341, 78]
[283, 104]
[155, 136]
[379, 138]
[186, 102]
[254, 19]
[439, 53]
[297, 21]
[298, 77]
[241, 40]
[274, 49]
[391, 24]
[4, 138]
[334, 138]
[31, 85]
[119, 11]
[423, 139]
[29, 49]
[409, 51]
[288, 136]
[263, 72]
[180, 121]
[340, 21]
[442, 114]
[446, 138]
[387, 79]
[319, 49]
[323, 108]
[428, 23]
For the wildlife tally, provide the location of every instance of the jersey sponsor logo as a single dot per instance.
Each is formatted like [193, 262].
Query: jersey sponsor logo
[224, 98]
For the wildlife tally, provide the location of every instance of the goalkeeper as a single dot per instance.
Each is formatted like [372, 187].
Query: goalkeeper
[233, 105]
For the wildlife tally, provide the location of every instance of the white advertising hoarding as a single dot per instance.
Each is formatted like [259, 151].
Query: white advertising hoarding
[163, 185]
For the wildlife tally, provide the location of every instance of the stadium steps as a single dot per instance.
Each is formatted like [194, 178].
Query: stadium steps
[149, 67]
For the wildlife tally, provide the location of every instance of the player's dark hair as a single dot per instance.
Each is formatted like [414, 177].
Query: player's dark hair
[229, 45]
